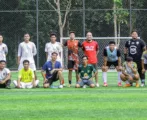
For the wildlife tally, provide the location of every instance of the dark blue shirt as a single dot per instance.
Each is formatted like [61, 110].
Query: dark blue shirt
[48, 68]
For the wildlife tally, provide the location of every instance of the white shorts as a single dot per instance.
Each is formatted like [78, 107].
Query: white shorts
[32, 66]
[26, 85]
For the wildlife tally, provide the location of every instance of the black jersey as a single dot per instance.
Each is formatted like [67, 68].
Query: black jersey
[135, 48]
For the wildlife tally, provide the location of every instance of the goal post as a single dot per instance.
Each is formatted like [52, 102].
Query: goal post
[102, 41]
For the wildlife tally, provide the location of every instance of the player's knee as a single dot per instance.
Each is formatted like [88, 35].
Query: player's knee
[59, 72]
[46, 85]
[92, 85]
[104, 69]
[136, 77]
[77, 86]
[122, 76]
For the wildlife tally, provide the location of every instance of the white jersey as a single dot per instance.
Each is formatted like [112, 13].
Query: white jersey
[3, 51]
[27, 51]
[50, 48]
[4, 73]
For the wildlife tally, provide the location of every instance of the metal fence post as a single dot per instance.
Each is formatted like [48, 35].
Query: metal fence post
[37, 37]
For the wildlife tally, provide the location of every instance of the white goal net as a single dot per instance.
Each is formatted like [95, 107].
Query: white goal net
[102, 41]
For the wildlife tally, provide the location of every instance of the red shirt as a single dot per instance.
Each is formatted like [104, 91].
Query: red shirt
[90, 50]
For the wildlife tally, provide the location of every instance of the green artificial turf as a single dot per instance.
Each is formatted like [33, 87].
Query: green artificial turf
[103, 103]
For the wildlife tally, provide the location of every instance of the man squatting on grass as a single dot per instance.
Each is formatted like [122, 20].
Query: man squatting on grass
[5, 75]
[52, 71]
[85, 74]
[26, 78]
[130, 73]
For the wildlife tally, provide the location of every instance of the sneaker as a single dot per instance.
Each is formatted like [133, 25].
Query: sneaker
[119, 84]
[64, 85]
[137, 85]
[84, 86]
[60, 86]
[142, 84]
[105, 84]
[127, 85]
[53, 86]
[97, 85]
[8, 87]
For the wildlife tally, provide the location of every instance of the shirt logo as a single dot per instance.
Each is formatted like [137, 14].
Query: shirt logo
[137, 43]
[133, 49]
[89, 48]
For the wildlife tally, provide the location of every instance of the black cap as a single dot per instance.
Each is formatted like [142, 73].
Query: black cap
[129, 59]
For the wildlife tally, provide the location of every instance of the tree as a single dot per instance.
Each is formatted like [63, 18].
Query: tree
[119, 17]
[61, 18]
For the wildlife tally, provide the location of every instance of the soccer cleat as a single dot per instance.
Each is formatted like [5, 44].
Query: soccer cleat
[8, 87]
[127, 85]
[119, 84]
[105, 84]
[97, 85]
[137, 85]
[142, 84]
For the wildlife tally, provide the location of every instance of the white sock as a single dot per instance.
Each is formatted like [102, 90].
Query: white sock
[104, 76]
[119, 79]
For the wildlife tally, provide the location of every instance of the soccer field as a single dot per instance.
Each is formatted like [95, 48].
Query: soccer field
[107, 103]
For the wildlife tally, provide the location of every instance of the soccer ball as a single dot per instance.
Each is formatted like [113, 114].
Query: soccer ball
[60, 86]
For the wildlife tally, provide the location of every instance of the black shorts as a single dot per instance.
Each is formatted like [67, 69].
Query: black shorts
[2, 85]
[109, 64]
[71, 64]
[145, 66]
[53, 78]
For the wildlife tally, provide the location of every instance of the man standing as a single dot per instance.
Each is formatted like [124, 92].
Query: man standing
[73, 58]
[129, 72]
[85, 74]
[52, 71]
[27, 51]
[5, 75]
[91, 50]
[134, 48]
[3, 49]
[26, 77]
[53, 46]
[112, 56]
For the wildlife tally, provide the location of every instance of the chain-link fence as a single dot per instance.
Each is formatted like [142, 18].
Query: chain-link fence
[39, 18]
[102, 42]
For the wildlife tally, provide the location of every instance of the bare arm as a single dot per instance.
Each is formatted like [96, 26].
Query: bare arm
[105, 61]
[18, 82]
[6, 79]
[119, 61]
[44, 75]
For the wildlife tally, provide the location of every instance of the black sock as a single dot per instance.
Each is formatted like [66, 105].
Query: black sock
[69, 81]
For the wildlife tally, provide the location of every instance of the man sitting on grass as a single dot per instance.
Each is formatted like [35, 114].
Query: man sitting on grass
[26, 78]
[5, 75]
[52, 71]
[129, 72]
[85, 74]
